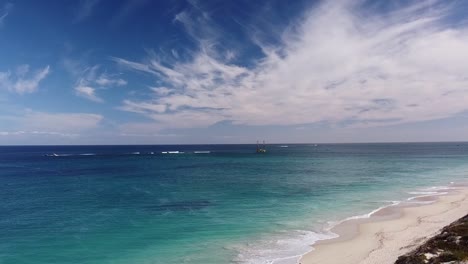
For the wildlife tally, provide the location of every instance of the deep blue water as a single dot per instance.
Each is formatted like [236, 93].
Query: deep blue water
[133, 204]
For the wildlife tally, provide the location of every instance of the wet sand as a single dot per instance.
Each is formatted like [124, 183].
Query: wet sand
[390, 232]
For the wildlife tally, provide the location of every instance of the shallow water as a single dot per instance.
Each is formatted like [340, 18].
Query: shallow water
[134, 204]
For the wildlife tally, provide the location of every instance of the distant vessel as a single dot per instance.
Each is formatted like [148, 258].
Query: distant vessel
[284, 146]
[51, 155]
[261, 149]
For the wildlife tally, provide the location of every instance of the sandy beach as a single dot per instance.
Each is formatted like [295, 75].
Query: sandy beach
[390, 232]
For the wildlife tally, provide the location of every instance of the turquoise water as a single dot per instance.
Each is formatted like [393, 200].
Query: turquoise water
[133, 204]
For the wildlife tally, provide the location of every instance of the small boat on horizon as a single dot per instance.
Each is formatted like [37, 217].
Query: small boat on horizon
[261, 149]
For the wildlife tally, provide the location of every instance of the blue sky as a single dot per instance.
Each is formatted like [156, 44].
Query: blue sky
[164, 72]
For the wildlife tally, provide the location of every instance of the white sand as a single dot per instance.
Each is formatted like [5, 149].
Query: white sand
[381, 241]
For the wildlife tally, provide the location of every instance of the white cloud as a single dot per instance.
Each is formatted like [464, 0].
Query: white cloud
[143, 130]
[88, 93]
[339, 63]
[143, 107]
[106, 80]
[23, 81]
[90, 79]
[161, 90]
[4, 12]
[34, 122]
[33, 127]
[41, 133]
[68, 123]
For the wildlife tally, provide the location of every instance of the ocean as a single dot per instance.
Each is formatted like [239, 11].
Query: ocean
[206, 204]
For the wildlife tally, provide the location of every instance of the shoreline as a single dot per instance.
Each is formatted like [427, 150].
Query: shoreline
[390, 231]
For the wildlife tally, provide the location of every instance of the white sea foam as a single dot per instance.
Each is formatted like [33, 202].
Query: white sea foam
[58, 155]
[285, 250]
[440, 188]
[290, 248]
[332, 224]
[430, 191]
[69, 154]
[424, 193]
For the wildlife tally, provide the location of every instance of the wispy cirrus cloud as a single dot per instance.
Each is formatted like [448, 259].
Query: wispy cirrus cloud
[107, 80]
[88, 93]
[340, 63]
[66, 123]
[59, 122]
[127, 8]
[41, 133]
[85, 9]
[91, 79]
[83, 87]
[4, 12]
[22, 80]
[46, 127]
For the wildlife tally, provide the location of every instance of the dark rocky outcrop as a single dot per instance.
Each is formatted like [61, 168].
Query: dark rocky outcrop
[450, 246]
